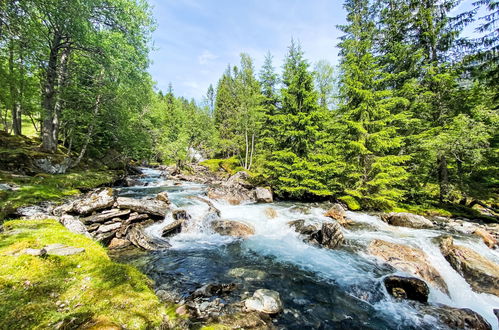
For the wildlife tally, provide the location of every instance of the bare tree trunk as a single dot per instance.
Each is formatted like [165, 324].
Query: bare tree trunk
[252, 150]
[247, 150]
[14, 94]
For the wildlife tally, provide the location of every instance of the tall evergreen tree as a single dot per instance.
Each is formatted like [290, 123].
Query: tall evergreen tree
[295, 165]
[374, 168]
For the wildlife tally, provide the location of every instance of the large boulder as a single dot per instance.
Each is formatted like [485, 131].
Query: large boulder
[411, 288]
[98, 200]
[232, 228]
[407, 259]
[263, 195]
[456, 318]
[329, 236]
[74, 225]
[236, 190]
[481, 273]
[152, 207]
[264, 301]
[407, 220]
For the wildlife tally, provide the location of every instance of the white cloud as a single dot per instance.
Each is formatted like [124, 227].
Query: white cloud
[206, 57]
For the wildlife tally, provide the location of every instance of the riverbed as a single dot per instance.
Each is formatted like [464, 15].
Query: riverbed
[320, 288]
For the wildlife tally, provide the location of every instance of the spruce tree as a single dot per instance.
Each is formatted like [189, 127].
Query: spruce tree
[374, 170]
[295, 167]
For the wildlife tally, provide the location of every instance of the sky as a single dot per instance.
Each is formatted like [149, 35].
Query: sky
[195, 40]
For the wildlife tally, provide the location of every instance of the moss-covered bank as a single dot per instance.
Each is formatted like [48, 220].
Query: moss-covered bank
[45, 292]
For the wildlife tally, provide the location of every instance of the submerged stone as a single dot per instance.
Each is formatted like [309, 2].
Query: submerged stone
[265, 301]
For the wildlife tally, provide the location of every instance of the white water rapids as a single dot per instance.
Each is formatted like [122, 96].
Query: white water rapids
[350, 270]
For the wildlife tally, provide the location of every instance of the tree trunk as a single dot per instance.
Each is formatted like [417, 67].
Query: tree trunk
[56, 72]
[252, 150]
[247, 150]
[443, 178]
[14, 94]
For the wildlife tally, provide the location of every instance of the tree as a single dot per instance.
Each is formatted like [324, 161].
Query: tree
[374, 169]
[67, 28]
[295, 166]
[324, 75]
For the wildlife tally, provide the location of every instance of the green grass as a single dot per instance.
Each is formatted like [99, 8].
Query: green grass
[229, 165]
[28, 129]
[91, 285]
[49, 187]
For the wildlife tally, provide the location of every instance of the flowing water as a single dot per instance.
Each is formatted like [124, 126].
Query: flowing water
[320, 288]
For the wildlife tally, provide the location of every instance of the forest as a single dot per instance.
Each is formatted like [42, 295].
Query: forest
[408, 117]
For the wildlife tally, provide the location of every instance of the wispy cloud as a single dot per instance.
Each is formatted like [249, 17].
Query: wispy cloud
[206, 57]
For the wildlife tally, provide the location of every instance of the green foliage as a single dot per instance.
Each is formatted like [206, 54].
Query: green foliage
[90, 284]
[229, 165]
[351, 202]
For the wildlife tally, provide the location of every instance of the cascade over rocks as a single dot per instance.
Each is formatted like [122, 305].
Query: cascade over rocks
[406, 220]
[95, 201]
[481, 273]
[300, 227]
[407, 259]
[411, 288]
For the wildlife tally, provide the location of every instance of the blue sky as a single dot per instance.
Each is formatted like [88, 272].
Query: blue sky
[196, 39]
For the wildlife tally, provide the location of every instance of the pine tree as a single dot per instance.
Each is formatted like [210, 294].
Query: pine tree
[295, 167]
[269, 81]
[374, 169]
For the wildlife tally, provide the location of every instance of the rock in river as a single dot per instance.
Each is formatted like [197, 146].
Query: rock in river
[407, 259]
[265, 301]
[98, 200]
[411, 288]
[481, 273]
[232, 228]
[263, 195]
[407, 220]
[152, 207]
[456, 318]
[329, 236]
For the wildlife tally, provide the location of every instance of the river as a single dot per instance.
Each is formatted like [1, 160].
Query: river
[320, 288]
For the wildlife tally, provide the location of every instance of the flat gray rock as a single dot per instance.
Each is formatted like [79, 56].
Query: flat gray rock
[61, 250]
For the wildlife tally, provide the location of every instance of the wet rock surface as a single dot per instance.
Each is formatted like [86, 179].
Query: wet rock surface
[232, 228]
[407, 259]
[407, 220]
[265, 301]
[481, 273]
[407, 288]
[457, 318]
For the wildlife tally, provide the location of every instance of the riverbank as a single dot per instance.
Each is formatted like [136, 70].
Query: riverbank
[70, 291]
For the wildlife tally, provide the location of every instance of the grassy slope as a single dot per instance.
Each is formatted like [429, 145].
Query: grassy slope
[16, 155]
[93, 286]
